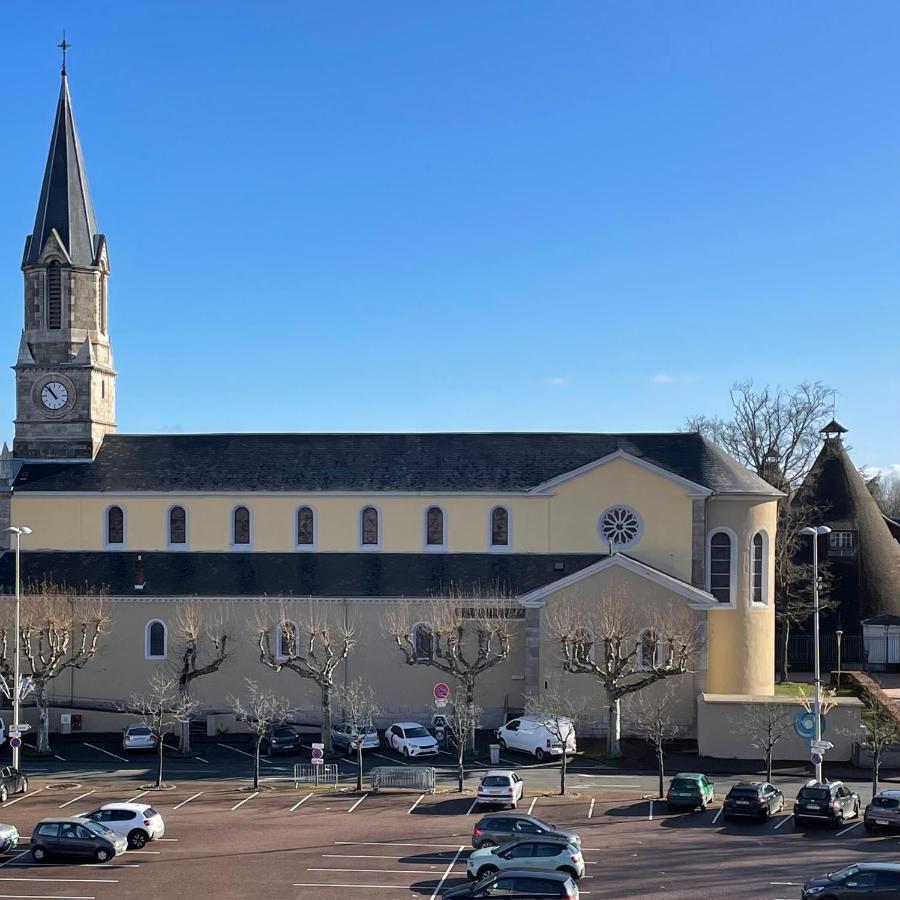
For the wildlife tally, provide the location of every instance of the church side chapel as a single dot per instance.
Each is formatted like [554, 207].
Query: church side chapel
[254, 536]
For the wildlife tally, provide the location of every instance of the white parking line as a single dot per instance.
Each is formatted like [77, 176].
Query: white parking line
[178, 806]
[469, 811]
[12, 859]
[357, 802]
[785, 819]
[716, 816]
[530, 808]
[173, 840]
[421, 798]
[591, 808]
[366, 887]
[849, 828]
[79, 797]
[75, 880]
[264, 761]
[10, 802]
[113, 755]
[60, 758]
[137, 796]
[391, 759]
[300, 802]
[387, 844]
[376, 871]
[41, 897]
[149, 852]
[447, 871]
[421, 858]
[650, 817]
[242, 802]
[202, 759]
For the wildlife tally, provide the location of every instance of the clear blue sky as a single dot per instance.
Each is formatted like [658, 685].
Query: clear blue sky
[476, 216]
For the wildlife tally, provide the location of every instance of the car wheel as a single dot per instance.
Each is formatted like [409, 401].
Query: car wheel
[137, 839]
[483, 844]
[839, 820]
[514, 804]
[485, 871]
[539, 754]
[38, 854]
[101, 855]
[24, 785]
[4, 794]
[502, 743]
[856, 811]
[406, 752]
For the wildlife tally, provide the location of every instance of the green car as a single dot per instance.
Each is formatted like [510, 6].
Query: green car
[688, 790]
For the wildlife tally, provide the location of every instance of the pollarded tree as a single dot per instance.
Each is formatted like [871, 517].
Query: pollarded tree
[560, 709]
[312, 639]
[59, 628]
[259, 710]
[624, 647]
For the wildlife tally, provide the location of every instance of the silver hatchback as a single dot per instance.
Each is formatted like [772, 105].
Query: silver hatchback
[883, 811]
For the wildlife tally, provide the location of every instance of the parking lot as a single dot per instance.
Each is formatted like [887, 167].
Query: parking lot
[303, 844]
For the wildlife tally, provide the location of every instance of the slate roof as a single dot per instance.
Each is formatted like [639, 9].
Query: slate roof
[65, 202]
[375, 462]
[354, 575]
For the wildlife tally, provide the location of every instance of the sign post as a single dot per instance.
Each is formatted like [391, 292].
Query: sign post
[317, 758]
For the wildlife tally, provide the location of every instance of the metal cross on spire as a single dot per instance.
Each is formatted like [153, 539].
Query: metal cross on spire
[64, 46]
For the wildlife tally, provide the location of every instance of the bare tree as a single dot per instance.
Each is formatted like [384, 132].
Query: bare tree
[59, 628]
[359, 706]
[888, 495]
[462, 720]
[201, 646]
[880, 731]
[774, 431]
[561, 711]
[162, 710]
[651, 720]
[623, 647]
[765, 724]
[463, 634]
[312, 641]
[259, 711]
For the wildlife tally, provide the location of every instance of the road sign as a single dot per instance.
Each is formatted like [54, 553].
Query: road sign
[820, 746]
[15, 742]
[441, 692]
[318, 754]
[17, 729]
[805, 724]
[815, 758]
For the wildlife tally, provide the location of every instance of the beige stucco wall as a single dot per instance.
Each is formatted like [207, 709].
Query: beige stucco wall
[720, 734]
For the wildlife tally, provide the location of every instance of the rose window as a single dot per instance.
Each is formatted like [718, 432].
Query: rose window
[620, 526]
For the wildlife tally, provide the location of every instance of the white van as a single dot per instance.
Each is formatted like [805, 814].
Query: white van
[538, 736]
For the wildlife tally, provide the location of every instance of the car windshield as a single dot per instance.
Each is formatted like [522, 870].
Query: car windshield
[743, 792]
[684, 784]
[139, 730]
[97, 828]
[886, 802]
[417, 732]
[813, 793]
[843, 874]
[284, 732]
[495, 781]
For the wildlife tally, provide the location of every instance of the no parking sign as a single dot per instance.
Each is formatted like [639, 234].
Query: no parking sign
[318, 754]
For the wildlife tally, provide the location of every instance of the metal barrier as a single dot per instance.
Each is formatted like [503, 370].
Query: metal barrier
[305, 773]
[419, 777]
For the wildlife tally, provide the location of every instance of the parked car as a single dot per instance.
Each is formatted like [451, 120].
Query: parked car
[346, 734]
[70, 836]
[757, 799]
[868, 879]
[526, 853]
[500, 787]
[410, 739]
[499, 828]
[138, 737]
[12, 781]
[280, 739]
[9, 838]
[883, 811]
[518, 884]
[137, 822]
[688, 790]
[540, 737]
[828, 801]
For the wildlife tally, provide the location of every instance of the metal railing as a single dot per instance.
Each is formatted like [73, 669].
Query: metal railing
[801, 651]
[421, 778]
[306, 773]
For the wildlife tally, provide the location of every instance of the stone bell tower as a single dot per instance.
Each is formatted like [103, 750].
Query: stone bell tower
[65, 382]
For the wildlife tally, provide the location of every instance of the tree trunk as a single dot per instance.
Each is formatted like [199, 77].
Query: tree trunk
[359, 762]
[259, 738]
[42, 744]
[614, 731]
[876, 768]
[661, 762]
[769, 763]
[160, 744]
[184, 737]
[470, 712]
[326, 718]
[460, 772]
[783, 661]
[562, 768]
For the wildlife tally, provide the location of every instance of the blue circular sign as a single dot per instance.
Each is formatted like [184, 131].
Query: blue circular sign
[805, 724]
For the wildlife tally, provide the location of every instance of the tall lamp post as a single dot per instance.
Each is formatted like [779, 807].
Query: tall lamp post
[817, 709]
[18, 531]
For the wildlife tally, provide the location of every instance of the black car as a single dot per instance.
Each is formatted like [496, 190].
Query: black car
[518, 884]
[71, 836]
[828, 801]
[280, 739]
[12, 781]
[868, 879]
[757, 799]
[499, 828]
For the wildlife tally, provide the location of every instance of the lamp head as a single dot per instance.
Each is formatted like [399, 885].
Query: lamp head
[819, 529]
[18, 529]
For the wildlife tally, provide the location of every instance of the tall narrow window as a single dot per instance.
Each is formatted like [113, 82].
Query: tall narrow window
[648, 649]
[103, 306]
[720, 566]
[155, 640]
[54, 295]
[499, 527]
[306, 534]
[369, 527]
[434, 527]
[241, 525]
[756, 568]
[423, 642]
[287, 639]
[115, 525]
[177, 525]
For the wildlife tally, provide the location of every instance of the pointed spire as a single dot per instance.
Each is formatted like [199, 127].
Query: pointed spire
[65, 203]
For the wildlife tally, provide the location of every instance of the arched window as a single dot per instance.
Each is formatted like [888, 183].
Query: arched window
[155, 640]
[306, 527]
[240, 526]
[103, 304]
[758, 569]
[177, 525]
[720, 566]
[54, 295]
[368, 527]
[287, 640]
[648, 650]
[423, 641]
[115, 526]
[434, 527]
[499, 527]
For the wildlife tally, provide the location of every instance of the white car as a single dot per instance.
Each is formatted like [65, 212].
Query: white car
[138, 737]
[500, 787]
[538, 736]
[137, 822]
[410, 739]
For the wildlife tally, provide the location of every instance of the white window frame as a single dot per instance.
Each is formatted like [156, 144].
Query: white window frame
[187, 528]
[147, 627]
[764, 582]
[306, 548]
[733, 562]
[500, 548]
[412, 640]
[842, 540]
[234, 509]
[106, 541]
[279, 635]
[369, 548]
[434, 548]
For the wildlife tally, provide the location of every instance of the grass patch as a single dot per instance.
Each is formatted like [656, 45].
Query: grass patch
[807, 690]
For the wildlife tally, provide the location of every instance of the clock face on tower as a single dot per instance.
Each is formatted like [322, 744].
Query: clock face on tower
[54, 395]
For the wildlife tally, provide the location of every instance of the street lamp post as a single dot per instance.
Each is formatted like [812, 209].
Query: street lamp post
[838, 633]
[18, 531]
[817, 709]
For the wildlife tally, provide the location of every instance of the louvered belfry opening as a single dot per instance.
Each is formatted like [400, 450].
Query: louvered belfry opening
[54, 296]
